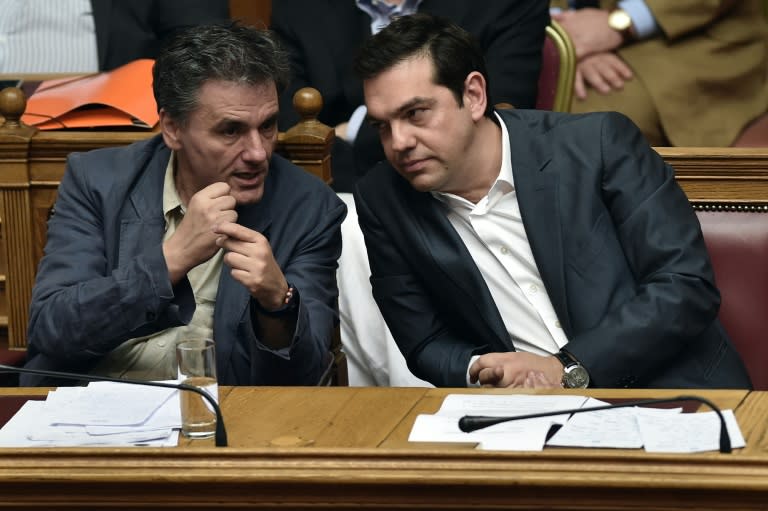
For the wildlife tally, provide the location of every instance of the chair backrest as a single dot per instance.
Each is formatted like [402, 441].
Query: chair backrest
[558, 70]
[737, 240]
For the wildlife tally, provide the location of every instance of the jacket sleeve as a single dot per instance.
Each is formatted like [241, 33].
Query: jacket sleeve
[310, 267]
[82, 307]
[678, 19]
[672, 298]
[434, 349]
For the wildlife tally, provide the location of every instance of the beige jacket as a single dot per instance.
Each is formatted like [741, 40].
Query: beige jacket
[707, 72]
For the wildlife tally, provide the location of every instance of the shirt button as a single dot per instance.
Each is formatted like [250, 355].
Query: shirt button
[557, 324]
[161, 344]
[504, 250]
[533, 289]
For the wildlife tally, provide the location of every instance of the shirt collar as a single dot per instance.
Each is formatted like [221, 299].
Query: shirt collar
[504, 182]
[171, 198]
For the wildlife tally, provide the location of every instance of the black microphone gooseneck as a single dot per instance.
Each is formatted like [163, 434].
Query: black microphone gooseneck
[221, 432]
[470, 423]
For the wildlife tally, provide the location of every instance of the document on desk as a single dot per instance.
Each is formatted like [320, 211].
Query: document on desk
[87, 416]
[527, 435]
[656, 429]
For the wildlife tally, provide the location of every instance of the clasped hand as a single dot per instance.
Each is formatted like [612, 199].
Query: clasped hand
[209, 224]
[516, 369]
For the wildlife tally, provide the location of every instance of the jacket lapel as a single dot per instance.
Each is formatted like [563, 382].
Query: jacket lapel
[143, 221]
[451, 256]
[232, 298]
[537, 185]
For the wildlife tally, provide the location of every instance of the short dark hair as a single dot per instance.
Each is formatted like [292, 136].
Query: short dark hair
[223, 51]
[454, 52]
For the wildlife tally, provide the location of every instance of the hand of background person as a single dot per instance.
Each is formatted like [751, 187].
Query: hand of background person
[252, 263]
[516, 369]
[589, 31]
[194, 241]
[604, 72]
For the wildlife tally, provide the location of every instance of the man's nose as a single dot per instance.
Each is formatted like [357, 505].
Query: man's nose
[253, 147]
[402, 136]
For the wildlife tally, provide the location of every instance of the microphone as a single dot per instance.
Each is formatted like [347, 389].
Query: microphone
[470, 423]
[220, 436]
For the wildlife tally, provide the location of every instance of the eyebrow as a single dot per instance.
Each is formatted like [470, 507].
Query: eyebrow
[411, 103]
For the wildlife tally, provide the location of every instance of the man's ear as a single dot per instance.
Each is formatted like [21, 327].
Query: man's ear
[475, 94]
[170, 130]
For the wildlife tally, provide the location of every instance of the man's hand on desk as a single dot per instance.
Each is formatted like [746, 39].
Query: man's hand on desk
[517, 369]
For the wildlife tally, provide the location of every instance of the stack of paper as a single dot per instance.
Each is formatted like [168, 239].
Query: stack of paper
[657, 430]
[103, 413]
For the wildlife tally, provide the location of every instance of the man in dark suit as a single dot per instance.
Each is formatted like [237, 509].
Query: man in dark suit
[127, 31]
[322, 37]
[527, 248]
[200, 231]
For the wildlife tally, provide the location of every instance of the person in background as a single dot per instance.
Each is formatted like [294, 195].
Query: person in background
[526, 248]
[83, 36]
[322, 37]
[687, 72]
[198, 232]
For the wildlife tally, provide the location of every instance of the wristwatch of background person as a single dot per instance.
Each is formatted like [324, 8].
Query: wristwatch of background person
[620, 21]
[575, 376]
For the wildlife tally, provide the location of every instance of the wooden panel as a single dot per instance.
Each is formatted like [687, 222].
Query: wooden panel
[253, 12]
[343, 471]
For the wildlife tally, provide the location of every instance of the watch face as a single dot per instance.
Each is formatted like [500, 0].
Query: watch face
[619, 20]
[576, 377]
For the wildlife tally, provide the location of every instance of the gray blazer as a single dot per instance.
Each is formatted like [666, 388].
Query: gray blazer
[617, 244]
[103, 278]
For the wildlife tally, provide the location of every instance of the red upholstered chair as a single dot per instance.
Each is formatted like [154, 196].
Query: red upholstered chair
[558, 70]
[737, 241]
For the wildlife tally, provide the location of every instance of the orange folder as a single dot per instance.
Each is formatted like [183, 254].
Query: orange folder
[121, 97]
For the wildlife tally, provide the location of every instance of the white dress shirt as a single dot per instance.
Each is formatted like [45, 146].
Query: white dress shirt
[495, 237]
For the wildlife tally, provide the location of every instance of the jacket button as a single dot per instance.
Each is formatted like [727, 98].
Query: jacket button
[151, 316]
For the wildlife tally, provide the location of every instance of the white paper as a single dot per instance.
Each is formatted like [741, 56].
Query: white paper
[106, 404]
[687, 432]
[39, 423]
[528, 434]
[658, 429]
[614, 428]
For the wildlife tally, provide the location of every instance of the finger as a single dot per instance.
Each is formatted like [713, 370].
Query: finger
[623, 69]
[490, 376]
[579, 88]
[215, 190]
[595, 80]
[238, 232]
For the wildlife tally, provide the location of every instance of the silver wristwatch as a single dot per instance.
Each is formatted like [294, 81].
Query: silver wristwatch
[575, 376]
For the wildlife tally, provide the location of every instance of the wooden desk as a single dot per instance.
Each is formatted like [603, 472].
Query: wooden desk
[359, 458]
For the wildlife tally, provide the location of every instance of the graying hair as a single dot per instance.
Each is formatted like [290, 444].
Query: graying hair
[229, 52]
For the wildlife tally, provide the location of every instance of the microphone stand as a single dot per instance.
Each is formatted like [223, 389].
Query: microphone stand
[220, 436]
[470, 423]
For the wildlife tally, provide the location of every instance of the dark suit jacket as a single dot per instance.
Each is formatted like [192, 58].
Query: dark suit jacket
[135, 29]
[616, 242]
[103, 278]
[323, 36]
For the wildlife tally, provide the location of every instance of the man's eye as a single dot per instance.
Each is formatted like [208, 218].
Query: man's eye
[230, 130]
[269, 126]
[417, 114]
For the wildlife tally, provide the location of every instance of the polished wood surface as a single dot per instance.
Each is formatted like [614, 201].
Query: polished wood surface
[338, 448]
